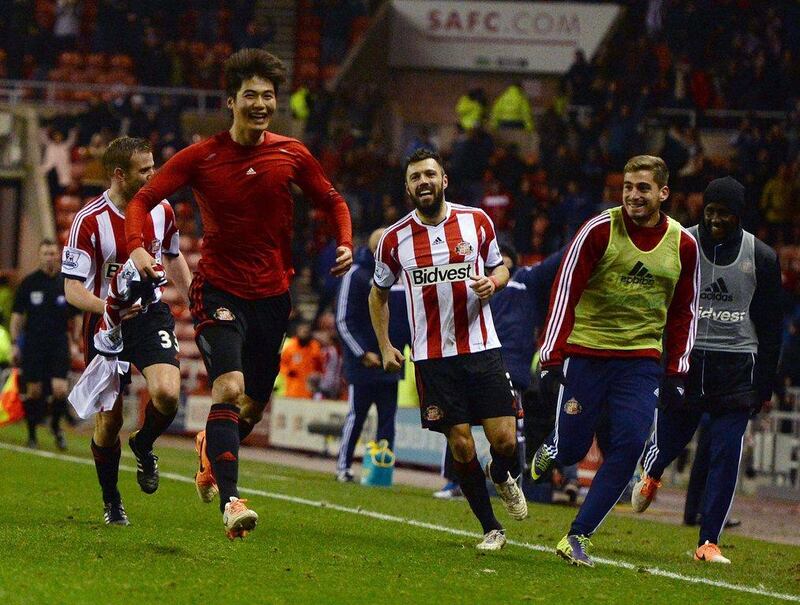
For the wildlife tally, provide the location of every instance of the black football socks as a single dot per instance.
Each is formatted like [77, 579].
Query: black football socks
[155, 423]
[502, 466]
[106, 462]
[222, 447]
[473, 484]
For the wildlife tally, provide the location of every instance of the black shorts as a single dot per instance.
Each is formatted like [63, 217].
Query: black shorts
[239, 335]
[464, 389]
[43, 361]
[148, 339]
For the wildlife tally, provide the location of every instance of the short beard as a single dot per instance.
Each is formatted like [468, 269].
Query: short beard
[432, 210]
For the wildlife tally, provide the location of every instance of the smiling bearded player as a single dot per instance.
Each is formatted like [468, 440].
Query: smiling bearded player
[450, 261]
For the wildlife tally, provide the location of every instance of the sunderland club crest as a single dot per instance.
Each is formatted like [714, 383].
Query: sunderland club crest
[223, 314]
[433, 413]
[463, 248]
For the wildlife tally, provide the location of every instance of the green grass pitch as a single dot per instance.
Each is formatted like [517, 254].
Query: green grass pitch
[322, 542]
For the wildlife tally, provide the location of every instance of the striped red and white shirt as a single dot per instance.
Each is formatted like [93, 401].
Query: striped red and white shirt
[436, 262]
[96, 246]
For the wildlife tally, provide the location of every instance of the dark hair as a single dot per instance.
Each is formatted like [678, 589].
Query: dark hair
[422, 154]
[249, 62]
[119, 152]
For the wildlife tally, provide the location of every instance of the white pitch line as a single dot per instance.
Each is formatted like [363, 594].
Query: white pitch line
[424, 525]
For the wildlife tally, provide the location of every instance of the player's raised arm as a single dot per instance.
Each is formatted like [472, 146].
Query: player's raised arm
[172, 176]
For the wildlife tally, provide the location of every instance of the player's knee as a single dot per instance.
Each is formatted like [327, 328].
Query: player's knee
[505, 443]
[165, 399]
[463, 448]
[107, 426]
[228, 389]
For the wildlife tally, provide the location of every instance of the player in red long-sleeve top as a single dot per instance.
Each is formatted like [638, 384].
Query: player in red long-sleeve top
[628, 283]
[239, 297]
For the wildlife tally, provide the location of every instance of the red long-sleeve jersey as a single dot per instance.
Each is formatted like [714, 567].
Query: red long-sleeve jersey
[584, 252]
[246, 208]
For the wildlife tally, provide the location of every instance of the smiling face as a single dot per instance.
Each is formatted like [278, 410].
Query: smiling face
[719, 221]
[425, 185]
[642, 197]
[254, 105]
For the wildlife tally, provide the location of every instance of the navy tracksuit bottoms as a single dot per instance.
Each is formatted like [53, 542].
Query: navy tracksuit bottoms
[362, 396]
[725, 433]
[615, 398]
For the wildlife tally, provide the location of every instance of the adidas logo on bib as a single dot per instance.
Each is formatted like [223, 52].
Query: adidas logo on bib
[639, 275]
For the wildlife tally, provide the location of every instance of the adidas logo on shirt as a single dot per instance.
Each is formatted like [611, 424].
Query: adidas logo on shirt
[717, 291]
[438, 241]
[639, 275]
[250, 171]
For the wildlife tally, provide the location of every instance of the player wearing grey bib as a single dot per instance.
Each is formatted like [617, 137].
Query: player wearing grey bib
[733, 363]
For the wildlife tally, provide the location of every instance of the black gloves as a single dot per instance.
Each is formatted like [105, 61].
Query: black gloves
[551, 380]
[672, 393]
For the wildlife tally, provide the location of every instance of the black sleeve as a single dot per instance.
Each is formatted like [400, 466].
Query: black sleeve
[767, 315]
[22, 297]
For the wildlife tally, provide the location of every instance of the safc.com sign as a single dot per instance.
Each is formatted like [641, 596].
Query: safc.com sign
[496, 36]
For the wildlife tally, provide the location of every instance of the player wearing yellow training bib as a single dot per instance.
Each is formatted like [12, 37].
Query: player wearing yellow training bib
[627, 284]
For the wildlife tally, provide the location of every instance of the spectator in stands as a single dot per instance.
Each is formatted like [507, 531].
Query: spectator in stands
[299, 103]
[776, 201]
[578, 79]
[575, 208]
[153, 67]
[498, 204]
[301, 362]
[337, 16]
[509, 168]
[512, 109]
[674, 151]
[471, 108]
[67, 23]
[421, 140]
[57, 161]
[469, 161]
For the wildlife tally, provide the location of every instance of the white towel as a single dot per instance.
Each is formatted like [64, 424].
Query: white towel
[98, 387]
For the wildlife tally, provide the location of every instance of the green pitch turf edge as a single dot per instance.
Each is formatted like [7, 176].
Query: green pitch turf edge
[319, 541]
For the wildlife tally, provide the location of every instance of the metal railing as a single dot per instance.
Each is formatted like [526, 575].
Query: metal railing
[776, 439]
